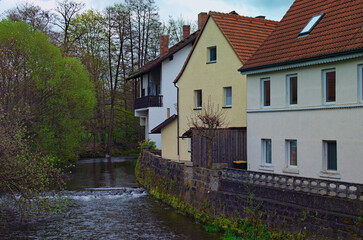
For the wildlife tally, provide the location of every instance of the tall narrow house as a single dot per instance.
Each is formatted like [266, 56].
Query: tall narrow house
[210, 74]
[155, 98]
[305, 93]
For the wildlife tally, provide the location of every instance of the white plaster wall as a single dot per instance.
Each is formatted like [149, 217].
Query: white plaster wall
[310, 91]
[308, 127]
[170, 70]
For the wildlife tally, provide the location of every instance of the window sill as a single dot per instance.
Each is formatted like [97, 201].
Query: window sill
[329, 174]
[227, 107]
[211, 62]
[290, 170]
[199, 108]
[266, 168]
[330, 103]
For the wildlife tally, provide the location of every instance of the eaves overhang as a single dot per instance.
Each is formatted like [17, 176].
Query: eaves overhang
[304, 62]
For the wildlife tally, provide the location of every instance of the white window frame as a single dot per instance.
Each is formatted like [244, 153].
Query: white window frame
[288, 88]
[225, 97]
[325, 155]
[198, 94]
[263, 80]
[324, 72]
[329, 173]
[288, 149]
[360, 82]
[264, 151]
[209, 55]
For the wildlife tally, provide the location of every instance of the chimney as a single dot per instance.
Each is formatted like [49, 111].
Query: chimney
[186, 31]
[263, 17]
[202, 18]
[164, 44]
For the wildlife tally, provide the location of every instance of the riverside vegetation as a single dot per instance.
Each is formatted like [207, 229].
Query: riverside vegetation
[63, 93]
[251, 226]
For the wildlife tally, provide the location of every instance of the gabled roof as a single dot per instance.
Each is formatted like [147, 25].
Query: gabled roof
[157, 61]
[244, 34]
[158, 128]
[340, 31]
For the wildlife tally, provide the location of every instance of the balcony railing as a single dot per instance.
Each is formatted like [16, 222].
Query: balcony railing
[149, 101]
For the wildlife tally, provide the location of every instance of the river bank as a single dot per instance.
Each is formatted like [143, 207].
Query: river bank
[221, 199]
[106, 202]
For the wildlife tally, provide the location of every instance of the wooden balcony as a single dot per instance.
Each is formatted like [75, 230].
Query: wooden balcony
[149, 101]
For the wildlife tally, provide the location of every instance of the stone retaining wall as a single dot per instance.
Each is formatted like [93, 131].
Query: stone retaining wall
[323, 208]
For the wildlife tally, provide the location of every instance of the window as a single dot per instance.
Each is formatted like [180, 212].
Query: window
[228, 96]
[311, 24]
[265, 88]
[329, 83]
[198, 99]
[292, 89]
[291, 153]
[189, 144]
[266, 151]
[212, 52]
[360, 79]
[330, 155]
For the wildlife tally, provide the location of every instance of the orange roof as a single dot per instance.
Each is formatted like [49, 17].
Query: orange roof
[340, 31]
[244, 34]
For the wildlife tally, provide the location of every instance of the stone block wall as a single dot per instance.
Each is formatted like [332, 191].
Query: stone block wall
[208, 194]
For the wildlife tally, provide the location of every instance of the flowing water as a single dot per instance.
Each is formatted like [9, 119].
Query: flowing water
[107, 203]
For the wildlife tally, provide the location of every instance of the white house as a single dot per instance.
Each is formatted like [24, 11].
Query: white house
[305, 94]
[156, 96]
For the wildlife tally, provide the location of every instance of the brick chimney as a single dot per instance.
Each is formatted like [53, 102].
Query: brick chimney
[164, 44]
[202, 18]
[186, 31]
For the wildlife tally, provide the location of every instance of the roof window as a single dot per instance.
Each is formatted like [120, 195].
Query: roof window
[311, 25]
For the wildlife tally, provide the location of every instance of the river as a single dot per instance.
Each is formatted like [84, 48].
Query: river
[107, 203]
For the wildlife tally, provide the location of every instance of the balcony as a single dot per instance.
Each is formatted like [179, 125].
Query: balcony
[149, 101]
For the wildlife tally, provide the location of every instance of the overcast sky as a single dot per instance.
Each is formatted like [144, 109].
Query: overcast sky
[188, 9]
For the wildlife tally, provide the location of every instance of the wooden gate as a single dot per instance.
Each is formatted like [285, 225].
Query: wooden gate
[229, 145]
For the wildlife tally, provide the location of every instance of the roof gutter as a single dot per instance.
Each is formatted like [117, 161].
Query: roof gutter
[319, 59]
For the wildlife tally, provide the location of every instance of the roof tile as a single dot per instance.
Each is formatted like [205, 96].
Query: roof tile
[339, 30]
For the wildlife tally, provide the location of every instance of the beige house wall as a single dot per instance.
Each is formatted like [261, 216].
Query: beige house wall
[211, 78]
[169, 141]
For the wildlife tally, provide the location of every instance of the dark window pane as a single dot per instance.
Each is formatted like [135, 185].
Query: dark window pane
[268, 151]
[332, 155]
[330, 86]
[198, 97]
[293, 90]
[293, 153]
[212, 54]
[266, 88]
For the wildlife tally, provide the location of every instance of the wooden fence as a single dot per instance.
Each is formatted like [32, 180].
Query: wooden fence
[228, 145]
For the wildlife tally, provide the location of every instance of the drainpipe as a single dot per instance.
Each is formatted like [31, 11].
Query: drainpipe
[177, 119]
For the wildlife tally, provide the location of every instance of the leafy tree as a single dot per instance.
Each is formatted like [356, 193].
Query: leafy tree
[25, 174]
[56, 90]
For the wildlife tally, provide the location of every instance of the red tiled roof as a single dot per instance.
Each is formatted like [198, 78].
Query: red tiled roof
[244, 34]
[339, 31]
[150, 65]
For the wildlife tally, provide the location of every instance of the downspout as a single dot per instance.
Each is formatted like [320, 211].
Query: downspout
[177, 119]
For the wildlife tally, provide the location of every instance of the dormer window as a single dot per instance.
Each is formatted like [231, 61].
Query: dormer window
[311, 25]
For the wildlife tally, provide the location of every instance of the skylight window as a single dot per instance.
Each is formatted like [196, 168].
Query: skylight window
[311, 24]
